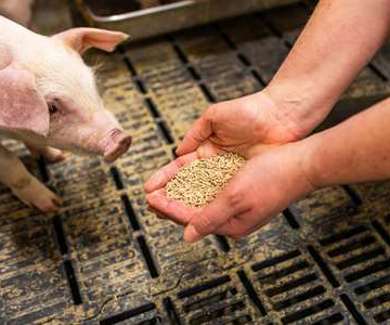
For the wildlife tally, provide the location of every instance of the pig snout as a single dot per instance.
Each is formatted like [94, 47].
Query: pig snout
[116, 144]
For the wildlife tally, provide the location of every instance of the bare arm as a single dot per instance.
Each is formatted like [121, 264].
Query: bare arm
[340, 38]
[357, 150]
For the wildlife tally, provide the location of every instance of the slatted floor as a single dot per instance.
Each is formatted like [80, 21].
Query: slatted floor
[105, 259]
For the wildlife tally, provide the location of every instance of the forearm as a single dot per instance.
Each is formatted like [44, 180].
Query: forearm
[339, 40]
[356, 150]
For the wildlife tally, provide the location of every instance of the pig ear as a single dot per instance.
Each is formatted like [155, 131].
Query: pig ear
[22, 108]
[81, 39]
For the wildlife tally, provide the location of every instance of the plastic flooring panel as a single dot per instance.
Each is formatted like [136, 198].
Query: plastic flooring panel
[104, 258]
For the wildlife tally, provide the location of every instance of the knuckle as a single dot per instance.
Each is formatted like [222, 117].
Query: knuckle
[235, 197]
[180, 161]
[197, 137]
[255, 204]
[235, 234]
[204, 224]
[210, 112]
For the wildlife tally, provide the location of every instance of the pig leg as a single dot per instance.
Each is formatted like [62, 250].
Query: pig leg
[24, 185]
[50, 154]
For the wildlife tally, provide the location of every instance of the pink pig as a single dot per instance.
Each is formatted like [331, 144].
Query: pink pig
[48, 97]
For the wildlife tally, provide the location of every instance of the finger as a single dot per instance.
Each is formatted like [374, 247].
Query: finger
[199, 132]
[158, 214]
[162, 176]
[208, 149]
[241, 226]
[233, 227]
[171, 209]
[162, 216]
[210, 218]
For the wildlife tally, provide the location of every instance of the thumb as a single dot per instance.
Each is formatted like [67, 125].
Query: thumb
[199, 132]
[213, 216]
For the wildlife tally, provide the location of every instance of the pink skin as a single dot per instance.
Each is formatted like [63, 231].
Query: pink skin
[71, 128]
[81, 123]
[257, 124]
[80, 132]
[43, 103]
[48, 97]
[118, 143]
[85, 132]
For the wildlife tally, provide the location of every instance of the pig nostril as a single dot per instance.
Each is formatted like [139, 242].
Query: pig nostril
[126, 141]
[53, 108]
[118, 142]
[114, 133]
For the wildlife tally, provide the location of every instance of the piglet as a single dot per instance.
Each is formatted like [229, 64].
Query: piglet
[48, 98]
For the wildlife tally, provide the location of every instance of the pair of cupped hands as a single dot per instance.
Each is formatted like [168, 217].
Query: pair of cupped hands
[274, 175]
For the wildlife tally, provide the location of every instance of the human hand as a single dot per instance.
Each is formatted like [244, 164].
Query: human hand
[269, 181]
[247, 125]
[240, 124]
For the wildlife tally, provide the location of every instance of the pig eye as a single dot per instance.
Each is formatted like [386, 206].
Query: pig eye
[53, 108]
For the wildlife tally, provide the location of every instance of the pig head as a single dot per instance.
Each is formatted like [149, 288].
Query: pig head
[48, 95]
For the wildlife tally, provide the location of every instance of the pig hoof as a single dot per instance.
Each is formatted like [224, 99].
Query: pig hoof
[53, 155]
[37, 195]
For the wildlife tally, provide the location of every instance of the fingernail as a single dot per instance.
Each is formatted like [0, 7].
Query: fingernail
[191, 235]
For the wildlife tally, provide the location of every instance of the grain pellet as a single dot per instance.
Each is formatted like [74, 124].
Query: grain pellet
[198, 183]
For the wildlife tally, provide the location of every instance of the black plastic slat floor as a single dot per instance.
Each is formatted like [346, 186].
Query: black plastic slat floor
[106, 259]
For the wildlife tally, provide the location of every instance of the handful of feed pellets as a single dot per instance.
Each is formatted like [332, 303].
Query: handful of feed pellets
[198, 183]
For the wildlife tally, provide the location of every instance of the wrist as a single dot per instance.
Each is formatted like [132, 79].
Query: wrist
[314, 155]
[275, 123]
[303, 167]
[300, 105]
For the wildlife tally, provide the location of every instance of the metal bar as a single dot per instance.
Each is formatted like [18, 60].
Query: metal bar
[172, 17]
